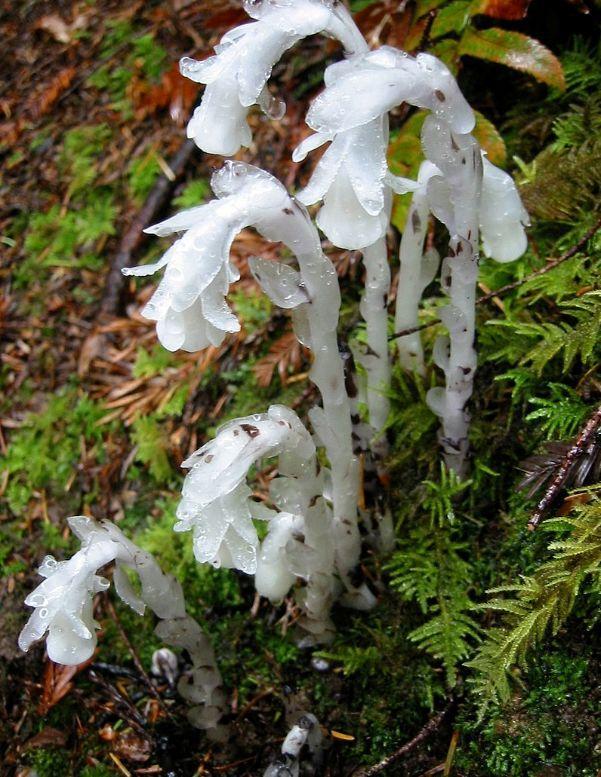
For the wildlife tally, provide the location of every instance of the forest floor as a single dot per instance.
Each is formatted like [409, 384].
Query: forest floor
[95, 416]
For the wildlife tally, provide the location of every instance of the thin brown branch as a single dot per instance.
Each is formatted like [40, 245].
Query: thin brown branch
[430, 728]
[576, 450]
[551, 265]
[136, 658]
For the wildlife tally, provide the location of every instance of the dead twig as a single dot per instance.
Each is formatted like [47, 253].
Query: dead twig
[575, 451]
[551, 265]
[136, 659]
[430, 728]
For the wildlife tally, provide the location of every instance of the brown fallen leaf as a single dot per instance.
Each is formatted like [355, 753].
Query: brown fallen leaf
[51, 92]
[91, 348]
[132, 747]
[48, 736]
[58, 682]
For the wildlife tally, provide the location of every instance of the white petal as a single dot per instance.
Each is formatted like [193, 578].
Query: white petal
[310, 143]
[241, 554]
[281, 283]
[502, 215]
[263, 47]
[126, 591]
[214, 307]
[343, 219]
[183, 220]
[324, 173]
[400, 185]
[202, 71]
[218, 125]
[358, 98]
[65, 646]
[365, 162]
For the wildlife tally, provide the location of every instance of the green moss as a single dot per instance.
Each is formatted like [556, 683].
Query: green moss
[548, 727]
[50, 762]
[43, 452]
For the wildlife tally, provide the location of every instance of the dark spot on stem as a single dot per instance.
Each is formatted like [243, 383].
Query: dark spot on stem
[250, 430]
[208, 458]
[440, 95]
[416, 222]
[454, 145]
[288, 211]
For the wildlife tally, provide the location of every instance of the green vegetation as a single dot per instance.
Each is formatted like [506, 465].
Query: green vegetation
[471, 604]
[44, 452]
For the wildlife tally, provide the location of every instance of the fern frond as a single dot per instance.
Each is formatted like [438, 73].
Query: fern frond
[542, 602]
[354, 659]
[570, 341]
[430, 569]
[561, 414]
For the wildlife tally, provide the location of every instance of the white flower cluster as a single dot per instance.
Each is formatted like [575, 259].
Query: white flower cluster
[312, 541]
[63, 609]
[216, 502]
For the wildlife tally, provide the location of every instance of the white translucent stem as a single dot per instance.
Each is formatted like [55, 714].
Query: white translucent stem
[411, 352]
[333, 424]
[374, 309]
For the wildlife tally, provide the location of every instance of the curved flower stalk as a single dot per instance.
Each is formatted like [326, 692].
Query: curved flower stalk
[468, 194]
[455, 200]
[305, 735]
[237, 75]
[63, 605]
[249, 196]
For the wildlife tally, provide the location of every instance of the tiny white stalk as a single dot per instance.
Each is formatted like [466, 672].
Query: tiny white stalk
[416, 270]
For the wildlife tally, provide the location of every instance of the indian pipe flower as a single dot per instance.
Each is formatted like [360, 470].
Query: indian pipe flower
[189, 305]
[215, 500]
[236, 76]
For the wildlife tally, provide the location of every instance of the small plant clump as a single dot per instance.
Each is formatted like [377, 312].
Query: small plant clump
[391, 447]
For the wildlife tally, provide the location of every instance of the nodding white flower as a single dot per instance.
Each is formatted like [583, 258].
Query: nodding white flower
[368, 86]
[353, 181]
[502, 215]
[215, 499]
[465, 181]
[352, 176]
[189, 305]
[237, 75]
[63, 601]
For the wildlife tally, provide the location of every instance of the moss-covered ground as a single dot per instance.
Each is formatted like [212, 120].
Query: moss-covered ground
[95, 416]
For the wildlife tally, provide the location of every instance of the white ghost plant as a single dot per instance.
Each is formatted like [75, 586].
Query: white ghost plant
[63, 608]
[236, 76]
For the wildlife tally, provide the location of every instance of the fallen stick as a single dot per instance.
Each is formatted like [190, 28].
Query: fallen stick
[429, 729]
